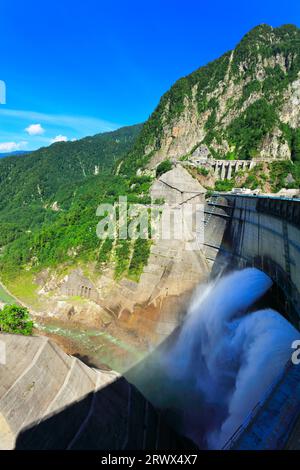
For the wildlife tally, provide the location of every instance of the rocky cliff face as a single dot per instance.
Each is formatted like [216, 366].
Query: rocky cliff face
[243, 105]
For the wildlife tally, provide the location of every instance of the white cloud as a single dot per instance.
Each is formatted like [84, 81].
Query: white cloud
[35, 129]
[59, 138]
[12, 146]
[83, 124]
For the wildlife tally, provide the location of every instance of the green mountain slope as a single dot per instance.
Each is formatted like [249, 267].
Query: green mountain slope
[243, 105]
[39, 175]
[48, 196]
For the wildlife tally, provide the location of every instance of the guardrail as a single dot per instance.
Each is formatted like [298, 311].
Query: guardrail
[256, 196]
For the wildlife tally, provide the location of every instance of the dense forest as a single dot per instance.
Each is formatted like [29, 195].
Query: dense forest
[48, 214]
[48, 198]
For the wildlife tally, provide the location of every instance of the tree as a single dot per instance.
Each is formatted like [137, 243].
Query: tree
[163, 167]
[15, 319]
[296, 146]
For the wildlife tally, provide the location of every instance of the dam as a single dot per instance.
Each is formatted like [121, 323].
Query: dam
[236, 337]
[254, 243]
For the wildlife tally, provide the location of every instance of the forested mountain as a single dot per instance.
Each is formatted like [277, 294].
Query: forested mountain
[55, 186]
[39, 175]
[243, 105]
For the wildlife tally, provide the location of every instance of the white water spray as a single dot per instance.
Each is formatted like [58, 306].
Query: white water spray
[225, 358]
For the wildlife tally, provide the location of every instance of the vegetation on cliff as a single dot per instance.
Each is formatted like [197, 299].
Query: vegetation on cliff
[163, 167]
[15, 319]
[247, 130]
[268, 177]
[49, 217]
[259, 70]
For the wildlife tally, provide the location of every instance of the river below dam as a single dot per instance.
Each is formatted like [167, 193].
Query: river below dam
[97, 348]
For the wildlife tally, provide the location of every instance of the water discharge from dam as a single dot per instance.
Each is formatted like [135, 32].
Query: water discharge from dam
[224, 360]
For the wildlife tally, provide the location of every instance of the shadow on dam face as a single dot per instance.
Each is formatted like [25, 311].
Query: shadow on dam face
[283, 295]
[201, 383]
[117, 417]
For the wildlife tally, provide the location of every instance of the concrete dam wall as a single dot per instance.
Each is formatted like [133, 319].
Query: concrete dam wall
[262, 232]
[50, 400]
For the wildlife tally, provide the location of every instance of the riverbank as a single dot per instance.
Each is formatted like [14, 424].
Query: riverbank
[105, 348]
[5, 296]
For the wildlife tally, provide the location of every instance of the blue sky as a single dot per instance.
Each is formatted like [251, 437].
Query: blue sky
[74, 68]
